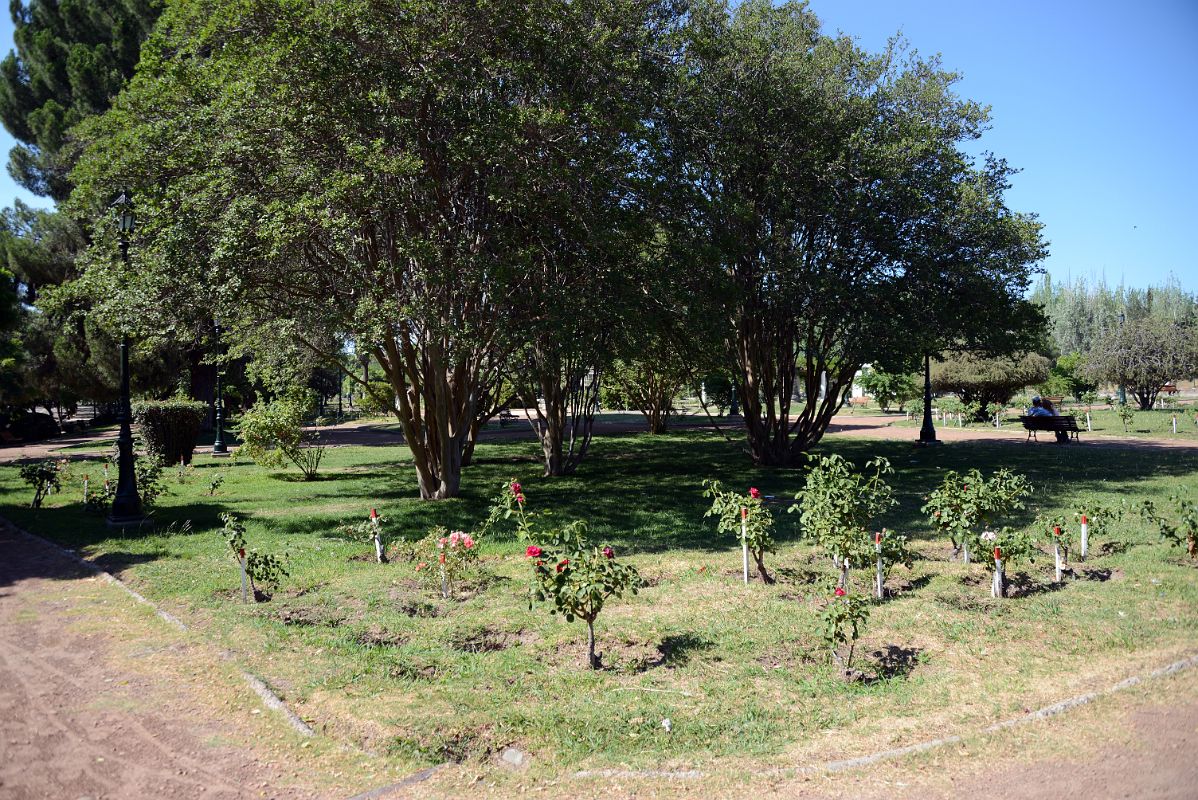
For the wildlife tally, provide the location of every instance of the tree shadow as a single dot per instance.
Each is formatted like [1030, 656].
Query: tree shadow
[894, 662]
[1023, 585]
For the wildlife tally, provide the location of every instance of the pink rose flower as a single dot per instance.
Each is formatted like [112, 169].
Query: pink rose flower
[533, 551]
[515, 489]
[607, 551]
[839, 592]
[755, 493]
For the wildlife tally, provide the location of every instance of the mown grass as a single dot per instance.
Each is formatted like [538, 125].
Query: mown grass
[368, 655]
[1154, 424]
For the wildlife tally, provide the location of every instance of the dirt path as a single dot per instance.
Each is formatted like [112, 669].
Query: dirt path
[373, 433]
[101, 699]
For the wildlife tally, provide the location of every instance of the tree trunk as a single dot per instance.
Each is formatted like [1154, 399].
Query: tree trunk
[592, 659]
[767, 355]
[570, 396]
[436, 402]
[759, 557]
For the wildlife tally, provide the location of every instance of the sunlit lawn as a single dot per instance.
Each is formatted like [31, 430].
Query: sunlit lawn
[365, 653]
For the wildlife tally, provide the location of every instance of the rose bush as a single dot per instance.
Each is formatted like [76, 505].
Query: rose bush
[838, 506]
[746, 517]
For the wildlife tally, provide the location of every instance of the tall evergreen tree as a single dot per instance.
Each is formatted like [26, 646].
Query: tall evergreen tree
[72, 58]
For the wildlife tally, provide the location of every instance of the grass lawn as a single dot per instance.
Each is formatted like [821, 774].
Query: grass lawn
[369, 656]
[1155, 424]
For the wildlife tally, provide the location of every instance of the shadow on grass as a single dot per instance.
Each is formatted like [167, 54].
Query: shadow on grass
[895, 662]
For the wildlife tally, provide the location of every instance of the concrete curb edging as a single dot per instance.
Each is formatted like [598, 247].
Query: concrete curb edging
[898, 752]
[269, 698]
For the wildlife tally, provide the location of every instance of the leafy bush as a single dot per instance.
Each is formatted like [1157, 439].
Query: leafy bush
[261, 568]
[985, 381]
[446, 559]
[378, 398]
[843, 618]
[966, 506]
[170, 428]
[576, 576]
[1180, 531]
[43, 477]
[273, 433]
[731, 510]
[838, 506]
[889, 388]
[1127, 415]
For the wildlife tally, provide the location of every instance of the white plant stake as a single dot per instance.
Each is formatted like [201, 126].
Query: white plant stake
[744, 538]
[241, 562]
[844, 575]
[378, 539]
[1056, 550]
[1175, 423]
[998, 589]
[879, 584]
[1085, 537]
[1088, 428]
[965, 551]
[85, 488]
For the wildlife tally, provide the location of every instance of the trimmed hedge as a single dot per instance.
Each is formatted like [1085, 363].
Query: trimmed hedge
[170, 427]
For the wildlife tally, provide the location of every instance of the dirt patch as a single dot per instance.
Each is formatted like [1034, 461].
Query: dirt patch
[629, 655]
[488, 640]
[1101, 575]
[378, 636]
[310, 616]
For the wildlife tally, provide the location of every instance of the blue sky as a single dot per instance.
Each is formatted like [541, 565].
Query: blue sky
[1097, 103]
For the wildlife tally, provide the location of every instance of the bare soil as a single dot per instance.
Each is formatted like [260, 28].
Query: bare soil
[101, 699]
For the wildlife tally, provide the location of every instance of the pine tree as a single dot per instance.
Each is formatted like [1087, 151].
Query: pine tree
[72, 58]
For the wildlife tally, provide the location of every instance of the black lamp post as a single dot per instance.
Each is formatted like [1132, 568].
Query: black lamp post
[1122, 386]
[126, 505]
[219, 448]
[927, 432]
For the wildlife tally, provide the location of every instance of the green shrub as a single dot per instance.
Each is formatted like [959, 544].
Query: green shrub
[379, 398]
[273, 433]
[170, 428]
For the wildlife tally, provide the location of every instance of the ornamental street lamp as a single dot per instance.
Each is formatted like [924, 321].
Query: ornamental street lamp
[126, 505]
[1122, 386]
[219, 449]
[927, 433]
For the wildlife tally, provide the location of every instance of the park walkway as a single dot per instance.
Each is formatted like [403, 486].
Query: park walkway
[100, 698]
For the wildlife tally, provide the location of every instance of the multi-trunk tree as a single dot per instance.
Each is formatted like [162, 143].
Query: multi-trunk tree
[378, 169]
[831, 198]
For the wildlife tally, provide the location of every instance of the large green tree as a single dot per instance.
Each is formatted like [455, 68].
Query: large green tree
[838, 217]
[1143, 355]
[381, 169]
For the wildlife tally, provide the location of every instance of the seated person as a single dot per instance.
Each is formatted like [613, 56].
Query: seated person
[1038, 409]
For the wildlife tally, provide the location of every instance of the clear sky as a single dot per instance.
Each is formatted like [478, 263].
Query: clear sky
[1096, 101]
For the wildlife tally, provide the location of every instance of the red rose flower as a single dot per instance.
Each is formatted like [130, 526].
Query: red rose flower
[755, 493]
[607, 551]
[520, 499]
[839, 592]
[562, 564]
[533, 551]
[515, 488]
[1056, 530]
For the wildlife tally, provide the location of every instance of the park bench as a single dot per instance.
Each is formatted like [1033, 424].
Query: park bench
[1054, 424]
[505, 416]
